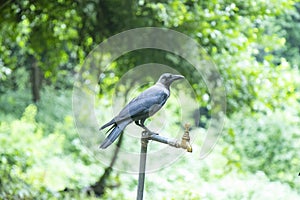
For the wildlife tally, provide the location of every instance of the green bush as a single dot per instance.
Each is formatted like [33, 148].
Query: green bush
[264, 142]
[37, 164]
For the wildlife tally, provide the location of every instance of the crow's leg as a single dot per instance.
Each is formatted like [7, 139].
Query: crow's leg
[141, 124]
[138, 123]
[142, 121]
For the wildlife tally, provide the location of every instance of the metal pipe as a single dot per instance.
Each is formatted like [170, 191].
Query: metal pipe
[162, 139]
[184, 143]
[143, 157]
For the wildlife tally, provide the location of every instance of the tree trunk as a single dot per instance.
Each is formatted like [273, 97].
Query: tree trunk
[35, 80]
[99, 187]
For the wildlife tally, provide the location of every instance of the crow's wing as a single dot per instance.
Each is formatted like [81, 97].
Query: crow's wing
[143, 106]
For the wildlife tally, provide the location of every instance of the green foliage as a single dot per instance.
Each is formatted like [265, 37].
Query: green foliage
[240, 36]
[265, 143]
[255, 45]
[36, 163]
[190, 178]
[55, 106]
[288, 26]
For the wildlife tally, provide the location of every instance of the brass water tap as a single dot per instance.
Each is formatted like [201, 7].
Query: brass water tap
[185, 140]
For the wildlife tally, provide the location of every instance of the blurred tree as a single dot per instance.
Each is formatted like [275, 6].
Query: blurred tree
[237, 35]
[49, 40]
[288, 26]
[39, 36]
[54, 38]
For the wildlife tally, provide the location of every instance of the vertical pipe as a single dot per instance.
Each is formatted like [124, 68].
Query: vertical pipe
[143, 157]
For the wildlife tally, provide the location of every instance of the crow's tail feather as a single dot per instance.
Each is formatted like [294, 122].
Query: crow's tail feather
[114, 134]
[111, 122]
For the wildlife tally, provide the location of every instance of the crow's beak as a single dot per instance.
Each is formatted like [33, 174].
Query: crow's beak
[177, 77]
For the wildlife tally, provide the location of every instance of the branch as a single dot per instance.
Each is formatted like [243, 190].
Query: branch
[100, 185]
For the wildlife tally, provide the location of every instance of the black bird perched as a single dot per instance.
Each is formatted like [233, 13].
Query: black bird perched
[140, 108]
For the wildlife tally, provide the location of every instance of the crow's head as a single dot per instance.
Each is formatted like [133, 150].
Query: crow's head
[167, 79]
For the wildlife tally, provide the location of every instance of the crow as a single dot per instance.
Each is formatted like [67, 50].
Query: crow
[140, 108]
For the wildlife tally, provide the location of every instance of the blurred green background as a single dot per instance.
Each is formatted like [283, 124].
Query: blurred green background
[254, 44]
